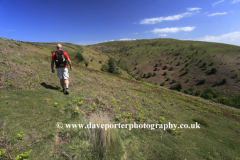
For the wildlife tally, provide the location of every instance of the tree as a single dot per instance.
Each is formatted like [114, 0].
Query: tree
[86, 63]
[111, 65]
[79, 57]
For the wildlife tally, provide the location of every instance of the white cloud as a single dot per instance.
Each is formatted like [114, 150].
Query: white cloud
[235, 1]
[172, 30]
[234, 37]
[215, 3]
[160, 19]
[162, 35]
[194, 9]
[215, 14]
[126, 39]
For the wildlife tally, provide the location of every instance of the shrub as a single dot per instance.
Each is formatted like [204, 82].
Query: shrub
[191, 89]
[171, 69]
[215, 94]
[236, 100]
[174, 81]
[162, 84]
[135, 68]
[144, 75]
[225, 101]
[155, 69]
[165, 67]
[224, 81]
[156, 65]
[186, 91]
[187, 80]
[178, 64]
[79, 57]
[186, 64]
[138, 78]
[207, 96]
[187, 70]
[165, 73]
[104, 68]
[177, 87]
[205, 63]
[168, 79]
[213, 71]
[202, 81]
[100, 62]
[198, 92]
[212, 63]
[154, 74]
[149, 74]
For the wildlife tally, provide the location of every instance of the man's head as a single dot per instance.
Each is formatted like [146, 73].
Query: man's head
[59, 46]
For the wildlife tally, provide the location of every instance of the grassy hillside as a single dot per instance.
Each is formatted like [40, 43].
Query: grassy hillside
[32, 104]
[169, 58]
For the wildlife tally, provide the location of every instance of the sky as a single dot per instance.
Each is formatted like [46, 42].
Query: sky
[86, 22]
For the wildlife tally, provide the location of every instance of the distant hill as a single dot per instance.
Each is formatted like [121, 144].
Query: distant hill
[211, 65]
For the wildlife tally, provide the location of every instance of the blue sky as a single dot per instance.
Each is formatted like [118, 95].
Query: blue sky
[94, 21]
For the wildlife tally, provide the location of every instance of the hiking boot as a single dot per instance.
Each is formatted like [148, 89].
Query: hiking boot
[66, 91]
[63, 90]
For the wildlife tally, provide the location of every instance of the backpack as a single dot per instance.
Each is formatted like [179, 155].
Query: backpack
[60, 60]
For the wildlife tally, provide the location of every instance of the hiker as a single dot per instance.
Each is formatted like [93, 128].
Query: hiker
[60, 58]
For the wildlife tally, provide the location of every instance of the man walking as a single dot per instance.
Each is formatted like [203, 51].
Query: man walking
[61, 58]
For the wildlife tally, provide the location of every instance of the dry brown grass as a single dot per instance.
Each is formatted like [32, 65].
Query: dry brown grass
[99, 137]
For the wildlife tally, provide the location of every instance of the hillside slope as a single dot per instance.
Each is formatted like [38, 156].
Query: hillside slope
[169, 59]
[32, 104]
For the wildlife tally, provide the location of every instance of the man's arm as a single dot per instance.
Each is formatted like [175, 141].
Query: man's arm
[69, 62]
[52, 64]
